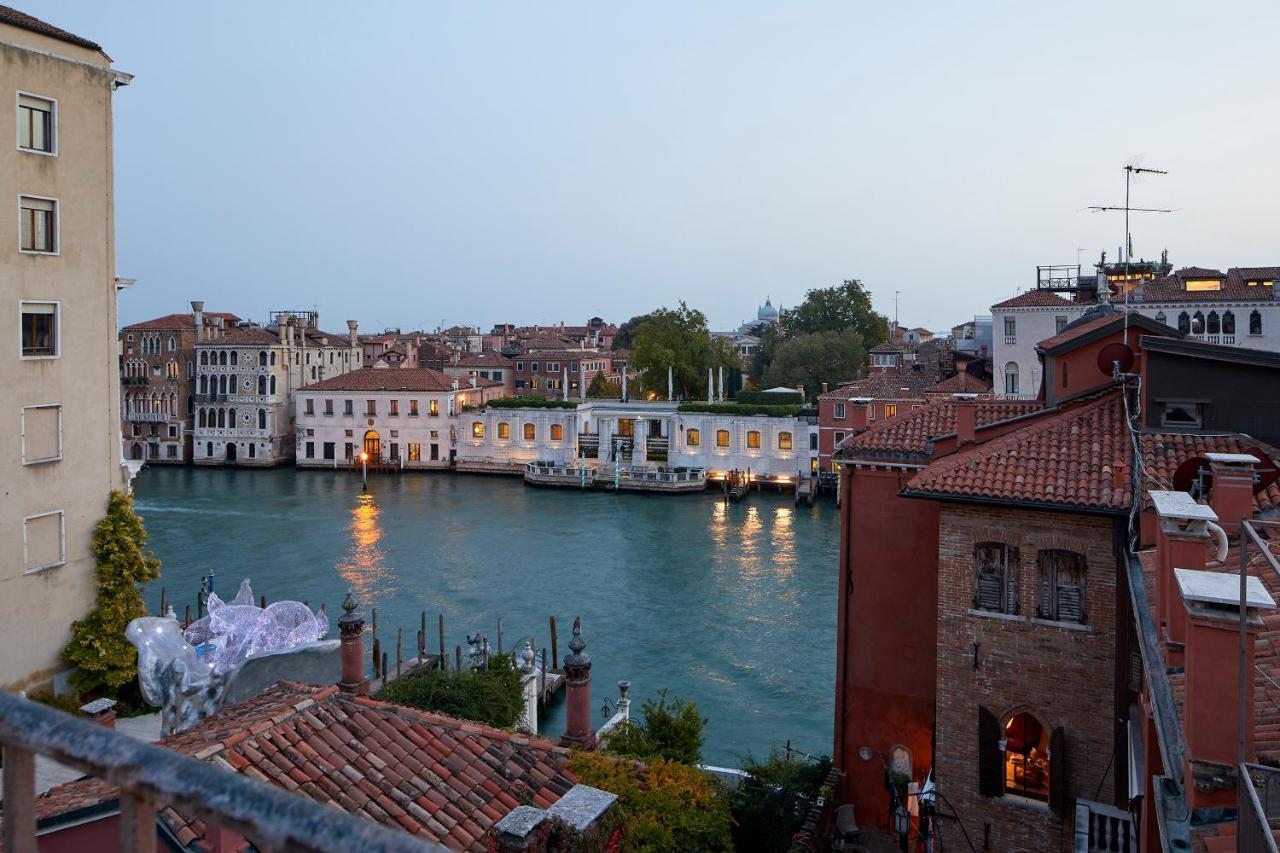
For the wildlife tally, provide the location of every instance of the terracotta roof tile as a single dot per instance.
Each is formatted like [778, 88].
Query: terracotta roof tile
[960, 383]
[391, 379]
[178, 321]
[887, 386]
[1235, 285]
[1034, 299]
[912, 433]
[35, 25]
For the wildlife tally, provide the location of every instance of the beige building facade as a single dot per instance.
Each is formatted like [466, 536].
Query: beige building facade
[59, 386]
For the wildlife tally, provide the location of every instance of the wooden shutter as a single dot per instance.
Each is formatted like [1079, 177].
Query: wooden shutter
[990, 761]
[1010, 579]
[989, 593]
[1058, 773]
[1047, 608]
[1070, 574]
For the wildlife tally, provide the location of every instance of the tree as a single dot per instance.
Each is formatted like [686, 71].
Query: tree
[836, 309]
[677, 339]
[601, 387]
[492, 696]
[105, 661]
[817, 357]
[671, 731]
[622, 339]
[771, 803]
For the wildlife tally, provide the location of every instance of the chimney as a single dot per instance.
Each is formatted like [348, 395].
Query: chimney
[1212, 601]
[197, 316]
[966, 418]
[283, 328]
[824, 388]
[1181, 537]
[577, 679]
[221, 324]
[860, 408]
[352, 325]
[351, 630]
[101, 712]
[1232, 494]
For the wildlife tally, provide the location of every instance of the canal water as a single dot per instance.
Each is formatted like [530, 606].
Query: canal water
[730, 606]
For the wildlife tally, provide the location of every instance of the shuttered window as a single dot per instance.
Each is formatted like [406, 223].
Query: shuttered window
[995, 567]
[1062, 586]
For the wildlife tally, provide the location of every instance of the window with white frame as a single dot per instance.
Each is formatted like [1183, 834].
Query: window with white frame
[839, 411]
[44, 541]
[36, 124]
[38, 225]
[1011, 384]
[41, 433]
[39, 322]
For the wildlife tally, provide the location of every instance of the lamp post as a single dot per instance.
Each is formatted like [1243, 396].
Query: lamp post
[364, 469]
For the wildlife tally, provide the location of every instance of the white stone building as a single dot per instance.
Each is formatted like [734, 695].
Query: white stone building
[246, 380]
[407, 417]
[1018, 324]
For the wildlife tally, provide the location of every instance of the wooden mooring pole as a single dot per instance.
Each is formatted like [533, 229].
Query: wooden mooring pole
[555, 654]
[444, 656]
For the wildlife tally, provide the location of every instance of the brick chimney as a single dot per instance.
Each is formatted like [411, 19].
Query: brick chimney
[966, 418]
[352, 325]
[351, 630]
[1212, 601]
[859, 409]
[1182, 535]
[101, 712]
[1232, 494]
[197, 317]
[578, 730]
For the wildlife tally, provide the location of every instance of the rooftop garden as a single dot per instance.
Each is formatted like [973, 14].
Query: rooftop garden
[530, 403]
[746, 409]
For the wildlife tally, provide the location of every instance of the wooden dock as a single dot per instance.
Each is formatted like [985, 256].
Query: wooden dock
[805, 489]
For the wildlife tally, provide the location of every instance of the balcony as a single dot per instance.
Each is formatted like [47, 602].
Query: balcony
[1010, 340]
[210, 398]
[1259, 808]
[150, 777]
[146, 417]
[1102, 829]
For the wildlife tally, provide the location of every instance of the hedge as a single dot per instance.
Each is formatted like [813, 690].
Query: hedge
[530, 403]
[742, 409]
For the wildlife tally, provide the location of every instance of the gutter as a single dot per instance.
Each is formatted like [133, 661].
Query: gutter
[1014, 504]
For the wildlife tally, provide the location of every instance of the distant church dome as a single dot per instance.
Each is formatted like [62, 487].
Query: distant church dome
[767, 313]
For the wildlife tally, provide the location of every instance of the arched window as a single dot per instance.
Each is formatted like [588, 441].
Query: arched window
[1161, 318]
[557, 432]
[222, 418]
[222, 384]
[1062, 585]
[204, 421]
[995, 569]
[784, 441]
[262, 358]
[1228, 323]
[204, 383]
[272, 384]
[253, 450]
[722, 438]
[262, 384]
[234, 353]
[173, 344]
[222, 358]
[208, 448]
[1255, 323]
[530, 432]
[692, 437]
[1215, 323]
[231, 384]
[231, 419]
[1184, 323]
[477, 429]
[1011, 385]
[204, 357]
[262, 418]
[1026, 757]
[504, 429]
[1197, 323]
[273, 359]
[753, 439]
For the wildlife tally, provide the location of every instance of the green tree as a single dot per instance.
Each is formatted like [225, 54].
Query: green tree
[491, 696]
[602, 388]
[678, 339]
[836, 309]
[105, 661]
[668, 730]
[816, 357]
[770, 805]
[622, 339]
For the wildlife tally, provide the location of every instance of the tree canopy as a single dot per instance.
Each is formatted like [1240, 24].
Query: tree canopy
[679, 339]
[846, 307]
[816, 357]
[622, 339]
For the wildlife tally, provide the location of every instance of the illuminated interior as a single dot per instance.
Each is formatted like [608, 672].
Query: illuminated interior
[1026, 757]
[1204, 284]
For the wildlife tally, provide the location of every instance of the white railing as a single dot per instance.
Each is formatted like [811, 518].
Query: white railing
[1010, 340]
[692, 475]
[1103, 829]
[153, 417]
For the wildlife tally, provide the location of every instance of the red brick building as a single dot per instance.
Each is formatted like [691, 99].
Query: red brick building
[544, 372]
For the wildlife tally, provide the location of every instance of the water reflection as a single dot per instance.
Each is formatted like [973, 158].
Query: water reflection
[365, 569]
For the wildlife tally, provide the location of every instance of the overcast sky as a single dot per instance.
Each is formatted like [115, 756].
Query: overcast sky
[412, 163]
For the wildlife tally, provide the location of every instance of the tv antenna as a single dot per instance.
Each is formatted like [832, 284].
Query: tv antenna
[1131, 169]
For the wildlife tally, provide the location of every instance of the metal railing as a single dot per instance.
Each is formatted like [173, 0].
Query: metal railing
[1258, 794]
[150, 777]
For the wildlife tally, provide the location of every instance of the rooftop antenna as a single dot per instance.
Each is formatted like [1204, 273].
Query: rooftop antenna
[1130, 170]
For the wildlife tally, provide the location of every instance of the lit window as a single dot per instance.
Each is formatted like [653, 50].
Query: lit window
[557, 432]
[435, 408]
[477, 429]
[504, 430]
[38, 225]
[784, 441]
[692, 437]
[395, 407]
[39, 330]
[35, 124]
[722, 438]
[753, 439]
[890, 410]
[529, 432]
[1026, 757]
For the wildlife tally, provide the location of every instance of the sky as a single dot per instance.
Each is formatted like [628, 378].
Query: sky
[411, 164]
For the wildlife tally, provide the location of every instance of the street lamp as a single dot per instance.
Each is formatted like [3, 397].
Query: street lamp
[364, 469]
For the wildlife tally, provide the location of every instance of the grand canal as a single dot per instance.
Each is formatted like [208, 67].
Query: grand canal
[730, 606]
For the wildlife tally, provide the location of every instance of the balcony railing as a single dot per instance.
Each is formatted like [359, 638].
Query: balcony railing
[1259, 807]
[154, 417]
[1103, 829]
[151, 777]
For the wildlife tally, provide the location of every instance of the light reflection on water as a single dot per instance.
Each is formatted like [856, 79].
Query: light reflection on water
[729, 605]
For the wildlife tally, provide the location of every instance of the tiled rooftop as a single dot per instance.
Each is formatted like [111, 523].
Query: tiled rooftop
[1235, 285]
[35, 25]
[392, 379]
[1034, 299]
[887, 386]
[911, 434]
[179, 321]
[960, 383]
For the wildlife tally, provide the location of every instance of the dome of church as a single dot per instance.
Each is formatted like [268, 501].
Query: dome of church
[767, 312]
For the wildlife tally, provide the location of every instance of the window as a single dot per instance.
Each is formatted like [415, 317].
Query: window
[533, 367]
[1214, 324]
[813, 441]
[692, 437]
[273, 385]
[41, 434]
[348, 407]
[36, 124]
[722, 438]
[371, 407]
[1197, 323]
[39, 329]
[839, 438]
[557, 432]
[1228, 323]
[1181, 413]
[1011, 378]
[1062, 576]
[434, 409]
[222, 358]
[497, 374]
[520, 366]
[395, 450]
[1161, 317]
[890, 409]
[204, 357]
[311, 449]
[310, 406]
[995, 569]
[262, 418]
[1184, 323]
[328, 407]
[1255, 323]
[415, 452]
[784, 441]
[1010, 329]
[253, 450]
[504, 430]
[530, 433]
[328, 449]
[413, 408]
[44, 541]
[1027, 752]
[348, 451]
[1059, 323]
[38, 225]
[477, 429]
[395, 407]
[753, 439]
[839, 411]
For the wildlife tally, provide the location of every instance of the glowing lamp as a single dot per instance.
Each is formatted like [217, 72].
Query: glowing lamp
[364, 457]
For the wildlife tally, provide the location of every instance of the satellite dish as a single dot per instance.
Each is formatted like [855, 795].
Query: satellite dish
[1112, 353]
[1187, 477]
[1267, 470]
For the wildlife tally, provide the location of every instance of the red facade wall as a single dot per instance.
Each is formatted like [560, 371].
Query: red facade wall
[886, 633]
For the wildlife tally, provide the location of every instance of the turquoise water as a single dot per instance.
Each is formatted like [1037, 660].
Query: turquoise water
[730, 606]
